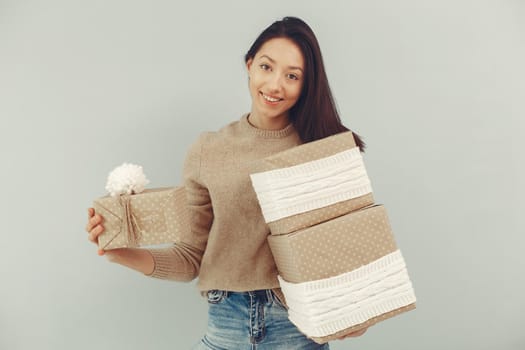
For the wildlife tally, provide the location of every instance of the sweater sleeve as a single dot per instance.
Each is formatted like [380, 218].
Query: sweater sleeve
[182, 260]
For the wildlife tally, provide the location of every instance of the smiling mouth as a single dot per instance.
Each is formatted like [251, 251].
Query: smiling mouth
[270, 99]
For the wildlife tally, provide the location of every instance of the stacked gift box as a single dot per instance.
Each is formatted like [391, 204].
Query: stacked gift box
[340, 269]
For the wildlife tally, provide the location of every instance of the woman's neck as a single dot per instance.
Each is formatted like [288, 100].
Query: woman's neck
[276, 123]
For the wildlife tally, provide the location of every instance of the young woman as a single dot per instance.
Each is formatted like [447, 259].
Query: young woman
[227, 247]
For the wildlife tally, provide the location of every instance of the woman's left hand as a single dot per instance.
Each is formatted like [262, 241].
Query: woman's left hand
[354, 334]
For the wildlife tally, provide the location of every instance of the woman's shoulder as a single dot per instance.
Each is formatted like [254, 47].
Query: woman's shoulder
[224, 134]
[215, 139]
[232, 128]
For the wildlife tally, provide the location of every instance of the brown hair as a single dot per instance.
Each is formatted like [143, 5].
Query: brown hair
[315, 115]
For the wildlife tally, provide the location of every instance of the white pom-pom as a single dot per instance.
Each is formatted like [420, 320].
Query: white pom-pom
[127, 178]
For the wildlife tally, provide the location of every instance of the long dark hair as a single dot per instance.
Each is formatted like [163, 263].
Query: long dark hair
[315, 115]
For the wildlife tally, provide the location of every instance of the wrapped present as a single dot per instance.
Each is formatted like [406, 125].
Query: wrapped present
[155, 216]
[134, 216]
[339, 267]
[343, 274]
[311, 183]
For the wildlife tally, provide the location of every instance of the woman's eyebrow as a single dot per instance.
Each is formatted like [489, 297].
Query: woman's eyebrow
[273, 61]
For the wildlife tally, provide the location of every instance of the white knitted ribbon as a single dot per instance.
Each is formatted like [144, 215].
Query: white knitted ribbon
[326, 306]
[312, 185]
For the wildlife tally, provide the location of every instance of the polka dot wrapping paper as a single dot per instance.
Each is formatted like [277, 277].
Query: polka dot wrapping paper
[340, 269]
[311, 183]
[154, 216]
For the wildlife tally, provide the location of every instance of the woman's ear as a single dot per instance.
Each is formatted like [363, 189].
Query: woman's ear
[248, 66]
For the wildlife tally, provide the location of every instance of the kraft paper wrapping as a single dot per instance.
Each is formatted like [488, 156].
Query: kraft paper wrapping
[339, 267]
[311, 183]
[154, 216]
[335, 246]
[338, 247]
[316, 216]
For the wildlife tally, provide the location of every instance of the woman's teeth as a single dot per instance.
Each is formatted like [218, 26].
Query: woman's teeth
[271, 99]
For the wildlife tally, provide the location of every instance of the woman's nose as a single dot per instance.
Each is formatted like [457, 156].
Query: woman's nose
[275, 83]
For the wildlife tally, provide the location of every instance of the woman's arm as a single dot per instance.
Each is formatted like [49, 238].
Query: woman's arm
[137, 259]
[181, 261]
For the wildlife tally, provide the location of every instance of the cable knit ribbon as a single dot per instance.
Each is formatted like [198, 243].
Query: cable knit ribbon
[129, 221]
[326, 306]
[312, 185]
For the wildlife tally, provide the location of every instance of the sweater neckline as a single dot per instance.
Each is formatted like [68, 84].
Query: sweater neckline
[274, 134]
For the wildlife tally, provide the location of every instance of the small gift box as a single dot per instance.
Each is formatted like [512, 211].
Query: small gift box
[339, 267]
[311, 183]
[134, 216]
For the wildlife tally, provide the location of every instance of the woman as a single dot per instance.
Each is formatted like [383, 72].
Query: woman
[227, 248]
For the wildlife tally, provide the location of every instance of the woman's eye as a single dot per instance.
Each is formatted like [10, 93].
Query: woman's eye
[293, 76]
[264, 66]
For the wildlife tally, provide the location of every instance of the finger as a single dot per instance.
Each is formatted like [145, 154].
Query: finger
[91, 212]
[91, 237]
[357, 333]
[99, 218]
[354, 334]
[94, 233]
[361, 332]
[97, 231]
[94, 221]
[91, 225]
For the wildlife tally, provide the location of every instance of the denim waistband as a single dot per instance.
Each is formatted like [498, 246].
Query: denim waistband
[263, 295]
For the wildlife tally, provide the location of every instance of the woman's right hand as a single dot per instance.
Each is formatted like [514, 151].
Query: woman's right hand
[94, 227]
[135, 258]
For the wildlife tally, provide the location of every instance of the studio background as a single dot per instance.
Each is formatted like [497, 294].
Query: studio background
[436, 89]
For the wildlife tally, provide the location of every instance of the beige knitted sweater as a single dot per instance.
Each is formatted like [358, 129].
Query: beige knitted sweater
[227, 247]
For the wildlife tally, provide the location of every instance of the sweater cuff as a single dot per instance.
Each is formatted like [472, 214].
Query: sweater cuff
[162, 259]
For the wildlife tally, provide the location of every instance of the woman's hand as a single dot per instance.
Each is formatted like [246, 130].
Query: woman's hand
[354, 334]
[94, 228]
[134, 258]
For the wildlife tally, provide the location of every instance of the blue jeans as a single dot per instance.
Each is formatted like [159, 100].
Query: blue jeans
[251, 320]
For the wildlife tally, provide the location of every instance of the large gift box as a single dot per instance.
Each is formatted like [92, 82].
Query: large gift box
[339, 267]
[343, 274]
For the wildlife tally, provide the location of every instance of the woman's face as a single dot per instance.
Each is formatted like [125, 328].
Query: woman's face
[276, 79]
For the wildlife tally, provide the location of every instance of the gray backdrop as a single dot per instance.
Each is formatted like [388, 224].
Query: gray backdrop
[436, 88]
